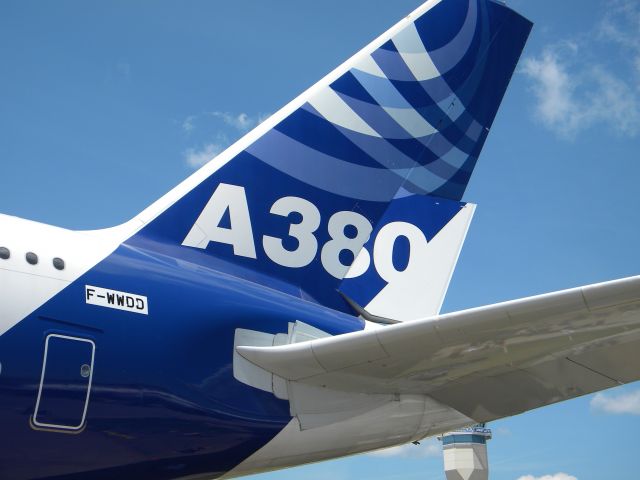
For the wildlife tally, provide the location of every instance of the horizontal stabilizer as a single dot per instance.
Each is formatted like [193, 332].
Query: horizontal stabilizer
[488, 362]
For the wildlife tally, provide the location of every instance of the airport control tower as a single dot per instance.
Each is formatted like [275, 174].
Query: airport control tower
[465, 453]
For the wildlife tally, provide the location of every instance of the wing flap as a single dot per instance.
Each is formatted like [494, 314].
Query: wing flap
[619, 361]
[486, 398]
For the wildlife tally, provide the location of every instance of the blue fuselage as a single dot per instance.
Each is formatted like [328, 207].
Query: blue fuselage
[163, 401]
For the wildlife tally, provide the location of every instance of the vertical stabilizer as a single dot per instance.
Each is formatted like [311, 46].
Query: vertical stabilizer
[356, 185]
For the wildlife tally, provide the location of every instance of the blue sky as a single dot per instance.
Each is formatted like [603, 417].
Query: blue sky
[106, 106]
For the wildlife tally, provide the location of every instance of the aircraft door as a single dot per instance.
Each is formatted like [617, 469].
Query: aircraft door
[65, 383]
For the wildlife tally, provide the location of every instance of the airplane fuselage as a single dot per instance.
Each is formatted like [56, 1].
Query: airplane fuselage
[121, 350]
[162, 392]
[104, 386]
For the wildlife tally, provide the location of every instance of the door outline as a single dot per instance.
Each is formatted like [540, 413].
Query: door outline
[44, 368]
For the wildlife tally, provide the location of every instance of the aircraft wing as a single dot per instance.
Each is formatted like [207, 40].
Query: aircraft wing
[488, 362]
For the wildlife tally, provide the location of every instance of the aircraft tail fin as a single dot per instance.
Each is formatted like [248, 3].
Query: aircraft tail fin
[344, 186]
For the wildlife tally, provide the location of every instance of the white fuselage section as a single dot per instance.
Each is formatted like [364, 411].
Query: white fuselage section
[26, 286]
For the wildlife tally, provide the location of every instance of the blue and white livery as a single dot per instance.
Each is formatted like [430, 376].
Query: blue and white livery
[281, 305]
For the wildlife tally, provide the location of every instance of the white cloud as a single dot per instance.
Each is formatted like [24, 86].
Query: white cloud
[196, 158]
[239, 121]
[554, 91]
[625, 403]
[427, 448]
[557, 476]
[570, 100]
[188, 123]
[227, 127]
[617, 102]
[577, 87]
[621, 24]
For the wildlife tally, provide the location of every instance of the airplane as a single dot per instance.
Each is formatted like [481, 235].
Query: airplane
[281, 306]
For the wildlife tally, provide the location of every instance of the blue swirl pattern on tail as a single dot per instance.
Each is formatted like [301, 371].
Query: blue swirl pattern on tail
[403, 121]
[414, 113]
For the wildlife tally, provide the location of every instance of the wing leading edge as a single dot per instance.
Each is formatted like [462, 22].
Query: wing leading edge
[488, 362]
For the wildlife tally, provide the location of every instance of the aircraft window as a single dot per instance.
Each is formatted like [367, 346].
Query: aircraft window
[32, 258]
[4, 253]
[58, 263]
